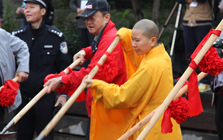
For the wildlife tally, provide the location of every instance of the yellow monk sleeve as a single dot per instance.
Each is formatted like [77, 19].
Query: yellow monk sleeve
[138, 88]
[126, 42]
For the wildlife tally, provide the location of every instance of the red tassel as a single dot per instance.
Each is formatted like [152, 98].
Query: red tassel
[178, 110]
[211, 63]
[195, 105]
[8, 93]
[166, 126]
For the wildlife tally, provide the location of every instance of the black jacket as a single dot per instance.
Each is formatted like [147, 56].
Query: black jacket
[48, 54]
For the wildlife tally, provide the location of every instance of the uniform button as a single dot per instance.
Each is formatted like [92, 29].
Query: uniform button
[48, 53]
[29, 99]
[32, 38]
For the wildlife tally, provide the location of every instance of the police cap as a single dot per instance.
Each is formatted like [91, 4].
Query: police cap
[41, 2]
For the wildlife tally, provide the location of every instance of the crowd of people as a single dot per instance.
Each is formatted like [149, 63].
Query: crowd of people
[116, 99]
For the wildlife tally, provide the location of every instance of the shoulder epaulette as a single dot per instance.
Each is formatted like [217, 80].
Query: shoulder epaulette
[55, 31]
[21, 30]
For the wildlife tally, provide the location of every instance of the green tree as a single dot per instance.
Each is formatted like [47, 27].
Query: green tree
[8, 16]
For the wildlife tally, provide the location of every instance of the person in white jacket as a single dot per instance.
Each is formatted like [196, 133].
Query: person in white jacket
[14, 61]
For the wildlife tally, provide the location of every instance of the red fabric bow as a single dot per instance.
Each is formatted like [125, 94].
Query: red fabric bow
[65, 89]
[211, 63]
[8, 93]
[195, 105]
[178, 110]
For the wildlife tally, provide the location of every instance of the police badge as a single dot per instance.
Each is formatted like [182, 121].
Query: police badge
[63, 47]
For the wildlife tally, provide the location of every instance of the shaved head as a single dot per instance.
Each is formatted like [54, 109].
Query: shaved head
[148, 27]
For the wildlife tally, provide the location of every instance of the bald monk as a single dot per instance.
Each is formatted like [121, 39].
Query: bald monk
[141, 94]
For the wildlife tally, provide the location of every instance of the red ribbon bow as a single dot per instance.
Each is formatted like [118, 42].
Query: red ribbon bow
[195, 105]
[8, 93]
[211, 63]
[178, 110]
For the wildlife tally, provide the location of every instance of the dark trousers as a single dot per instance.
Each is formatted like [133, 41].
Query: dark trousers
[219, 115]
[35, 120]
[88, 130]
[2, 113]
[86, 39]
[192, 37]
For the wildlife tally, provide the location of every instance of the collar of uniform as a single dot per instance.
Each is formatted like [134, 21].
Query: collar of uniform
[39, 30]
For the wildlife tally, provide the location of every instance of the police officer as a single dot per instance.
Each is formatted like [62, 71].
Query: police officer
[48, 54]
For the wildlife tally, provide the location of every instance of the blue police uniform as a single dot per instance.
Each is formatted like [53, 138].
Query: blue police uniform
[48, 54]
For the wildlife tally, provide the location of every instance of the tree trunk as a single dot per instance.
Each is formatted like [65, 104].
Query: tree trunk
[138, 13]
[156, 6]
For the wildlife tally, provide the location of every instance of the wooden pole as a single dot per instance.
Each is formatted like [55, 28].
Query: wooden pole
[145, 120]
[34, 101]
[71, 100]
[178, 85]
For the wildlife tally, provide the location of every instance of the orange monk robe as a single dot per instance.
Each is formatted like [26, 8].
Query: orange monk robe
[116, 109]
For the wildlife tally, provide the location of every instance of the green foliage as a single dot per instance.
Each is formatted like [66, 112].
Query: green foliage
[61, 4]
[123, 19]
[8, 16]
[120, 4]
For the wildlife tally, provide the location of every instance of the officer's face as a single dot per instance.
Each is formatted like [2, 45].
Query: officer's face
[97, 22]
[33, 13]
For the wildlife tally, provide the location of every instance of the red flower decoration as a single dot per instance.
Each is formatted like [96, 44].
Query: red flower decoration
[178, 109]
[8, 93]
[211, 62]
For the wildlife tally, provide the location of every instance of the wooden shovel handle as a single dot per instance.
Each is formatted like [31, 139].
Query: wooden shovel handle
[179, 84]
[145, 120]
[40, 94]
[71, 100]
[73, 65]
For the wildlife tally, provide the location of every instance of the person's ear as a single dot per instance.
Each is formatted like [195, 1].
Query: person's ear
[43, 11]
[153, 41]
[107, 18]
